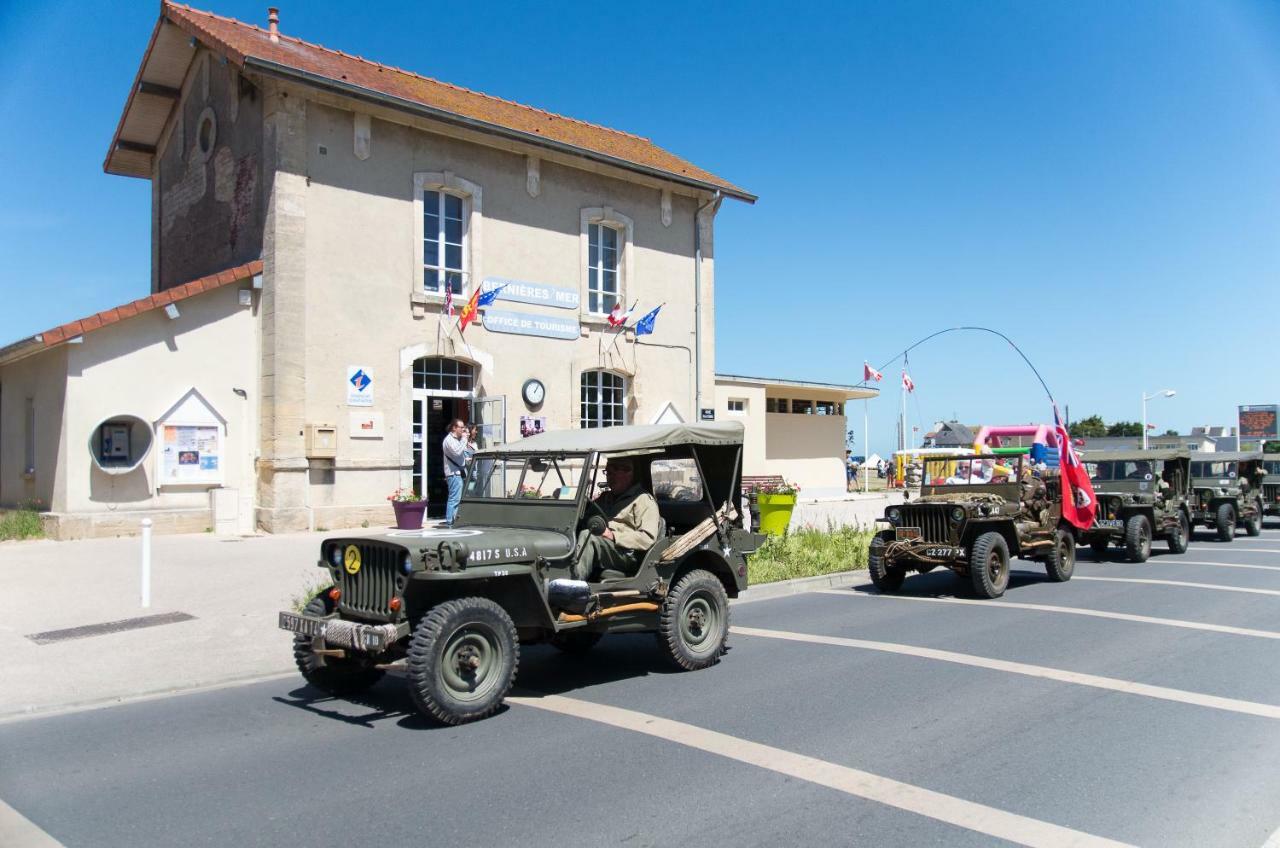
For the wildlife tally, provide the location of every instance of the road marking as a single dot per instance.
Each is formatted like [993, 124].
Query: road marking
[1128, 687]
[17, 831]
[1236, 550]
[1181, 583]
[1092, 613]
[980, 818]
[1273, 841]
[1223, 564]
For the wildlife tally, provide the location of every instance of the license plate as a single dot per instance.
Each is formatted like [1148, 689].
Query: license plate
[1110, 522]
[302, 624]
[944, 552]
[904, 533]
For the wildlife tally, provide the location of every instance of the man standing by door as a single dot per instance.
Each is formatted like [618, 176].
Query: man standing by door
[455, 463]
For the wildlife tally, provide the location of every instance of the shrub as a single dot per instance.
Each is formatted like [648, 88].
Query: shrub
[21, 523]
[809, 552]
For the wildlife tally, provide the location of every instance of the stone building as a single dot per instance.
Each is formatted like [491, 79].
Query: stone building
[314, 217]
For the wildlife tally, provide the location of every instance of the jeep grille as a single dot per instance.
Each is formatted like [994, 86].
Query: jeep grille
[932, 521]
[368, 591]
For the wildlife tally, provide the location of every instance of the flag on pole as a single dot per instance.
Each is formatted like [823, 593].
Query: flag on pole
[490, 296]
[869, 373]
[907, 383]
[1078, 500]
[645, 325]
[448, 301]
[471, 311]
[618, 316]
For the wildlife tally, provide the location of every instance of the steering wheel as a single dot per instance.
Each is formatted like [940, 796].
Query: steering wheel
[595, 520]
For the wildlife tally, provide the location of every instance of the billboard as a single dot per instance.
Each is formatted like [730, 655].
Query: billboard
[1258, 423]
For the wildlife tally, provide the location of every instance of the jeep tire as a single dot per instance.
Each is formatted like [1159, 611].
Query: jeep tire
[576, 642]
[1137, 538]
[1061, 561]
[989, 565]
[462, 660]
[1225, 522]
[693, 622]
[1180, 538]
[885, 577]
[1253, 526]
[335, 675]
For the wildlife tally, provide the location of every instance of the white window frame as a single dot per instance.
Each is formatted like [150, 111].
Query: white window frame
[606, 216]
[588, 419]
[471, 195]
[737, 406]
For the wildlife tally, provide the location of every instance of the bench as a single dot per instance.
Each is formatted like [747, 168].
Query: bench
[749, 484]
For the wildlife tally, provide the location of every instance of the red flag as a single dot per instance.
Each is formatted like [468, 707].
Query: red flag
[906, 382]
[869, 373]
[1078, 501]
[469, 312]
[448, 300]
[619, 316]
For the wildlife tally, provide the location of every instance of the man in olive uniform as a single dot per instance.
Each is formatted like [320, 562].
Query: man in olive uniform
[633, 524]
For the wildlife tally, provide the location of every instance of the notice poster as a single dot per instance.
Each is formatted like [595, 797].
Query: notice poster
[190, 454]
[1258, 423]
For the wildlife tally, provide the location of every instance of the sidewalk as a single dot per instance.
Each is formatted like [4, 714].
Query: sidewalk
[233, 588]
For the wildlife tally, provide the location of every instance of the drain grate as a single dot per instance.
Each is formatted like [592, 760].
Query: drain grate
[50, 636]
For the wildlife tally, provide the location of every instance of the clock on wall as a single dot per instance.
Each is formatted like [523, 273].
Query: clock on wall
[534, 392]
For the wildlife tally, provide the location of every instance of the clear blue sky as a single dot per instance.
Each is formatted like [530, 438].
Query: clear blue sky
[1098, 180]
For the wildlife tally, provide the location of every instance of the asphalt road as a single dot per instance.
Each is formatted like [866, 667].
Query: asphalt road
[1142, 712]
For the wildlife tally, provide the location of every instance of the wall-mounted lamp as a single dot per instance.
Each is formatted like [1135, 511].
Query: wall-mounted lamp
[171, 309]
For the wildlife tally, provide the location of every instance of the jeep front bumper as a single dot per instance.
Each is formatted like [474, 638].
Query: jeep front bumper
[922, 550]
[338, 633]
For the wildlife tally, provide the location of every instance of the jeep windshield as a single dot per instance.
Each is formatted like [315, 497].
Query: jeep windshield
[967, 471]
[1213, 469]
[524, 478]
[1101, 472]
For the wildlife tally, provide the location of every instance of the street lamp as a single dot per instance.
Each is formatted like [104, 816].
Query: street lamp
[1145, 398]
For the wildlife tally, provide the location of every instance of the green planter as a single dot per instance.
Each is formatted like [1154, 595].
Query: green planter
[775, 513]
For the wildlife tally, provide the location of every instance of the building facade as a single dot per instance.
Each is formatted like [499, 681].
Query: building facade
[379, 203]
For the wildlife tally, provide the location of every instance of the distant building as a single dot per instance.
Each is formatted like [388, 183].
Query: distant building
[1207, 438]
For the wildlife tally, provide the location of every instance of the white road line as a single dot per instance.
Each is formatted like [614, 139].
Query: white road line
[1273, 841]
[1181, 561]
[1181, 583]
[17, 831]
[1128, 687]
[980, 818]
[1235, 550]
[1092, 613]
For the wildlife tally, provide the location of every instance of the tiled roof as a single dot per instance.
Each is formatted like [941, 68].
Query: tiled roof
[62, 333]
[244, 43]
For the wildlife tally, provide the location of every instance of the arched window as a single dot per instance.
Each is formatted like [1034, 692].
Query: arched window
[604, 396]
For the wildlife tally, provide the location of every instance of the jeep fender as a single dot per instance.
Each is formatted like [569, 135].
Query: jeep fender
[515, 588]
[707, 559]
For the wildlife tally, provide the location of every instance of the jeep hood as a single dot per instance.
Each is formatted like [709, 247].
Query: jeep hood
[481, 545]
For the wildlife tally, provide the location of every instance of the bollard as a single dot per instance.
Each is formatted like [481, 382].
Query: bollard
[146, 563]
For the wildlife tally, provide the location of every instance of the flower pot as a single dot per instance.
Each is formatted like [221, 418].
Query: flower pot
[775, 513]
[409, 514]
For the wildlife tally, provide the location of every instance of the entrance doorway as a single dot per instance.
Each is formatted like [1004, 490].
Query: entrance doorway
[443, 389]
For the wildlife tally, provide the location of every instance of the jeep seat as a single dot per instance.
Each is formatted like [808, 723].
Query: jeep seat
[611, 574]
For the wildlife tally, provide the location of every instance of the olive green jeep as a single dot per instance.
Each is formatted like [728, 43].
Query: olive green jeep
[1141, 495]
[1271, 484]
[450, 607]
[973, 514]
[1228, 489]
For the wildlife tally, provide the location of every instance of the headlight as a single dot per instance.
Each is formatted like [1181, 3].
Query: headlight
[407, 565]
[335, 556]
[957, 514]
[894, 515]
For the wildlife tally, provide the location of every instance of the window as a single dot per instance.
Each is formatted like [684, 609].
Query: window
[444, 254]
[770, 405]
[825, 407]
[603, 399]
[782, 405]
[737, 406]
[801, 407]
[436, 373]
[29, 465]
[675, 479]
[602, 267]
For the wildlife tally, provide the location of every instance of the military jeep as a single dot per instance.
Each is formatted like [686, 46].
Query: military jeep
[974, 513]
[1271, 484]
[1141, 495]
[449, 608]
[1228, 489]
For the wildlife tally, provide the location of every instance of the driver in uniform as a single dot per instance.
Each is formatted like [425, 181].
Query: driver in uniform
[632, 529]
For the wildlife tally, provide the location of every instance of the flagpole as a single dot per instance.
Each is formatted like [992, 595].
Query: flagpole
[866, 442]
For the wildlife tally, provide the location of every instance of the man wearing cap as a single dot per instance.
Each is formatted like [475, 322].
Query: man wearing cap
[632, 529]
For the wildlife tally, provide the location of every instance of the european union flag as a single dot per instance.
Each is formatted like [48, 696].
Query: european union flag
[645, 325]
[490, 296]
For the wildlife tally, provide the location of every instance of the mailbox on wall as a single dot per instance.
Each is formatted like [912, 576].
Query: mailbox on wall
[321, 441]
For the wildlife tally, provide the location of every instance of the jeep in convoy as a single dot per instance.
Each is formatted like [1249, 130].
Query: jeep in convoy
[1228, 491]
[1140, 496]
[450, 607]
[1271, 484]
[974, 513]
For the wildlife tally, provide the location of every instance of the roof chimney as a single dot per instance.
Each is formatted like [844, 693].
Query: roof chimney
[273, 23]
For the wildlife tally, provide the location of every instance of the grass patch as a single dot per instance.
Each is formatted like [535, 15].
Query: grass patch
[314, 587]
[21, 524]
[808, 553]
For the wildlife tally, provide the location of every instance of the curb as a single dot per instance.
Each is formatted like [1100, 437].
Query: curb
[763, 592]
